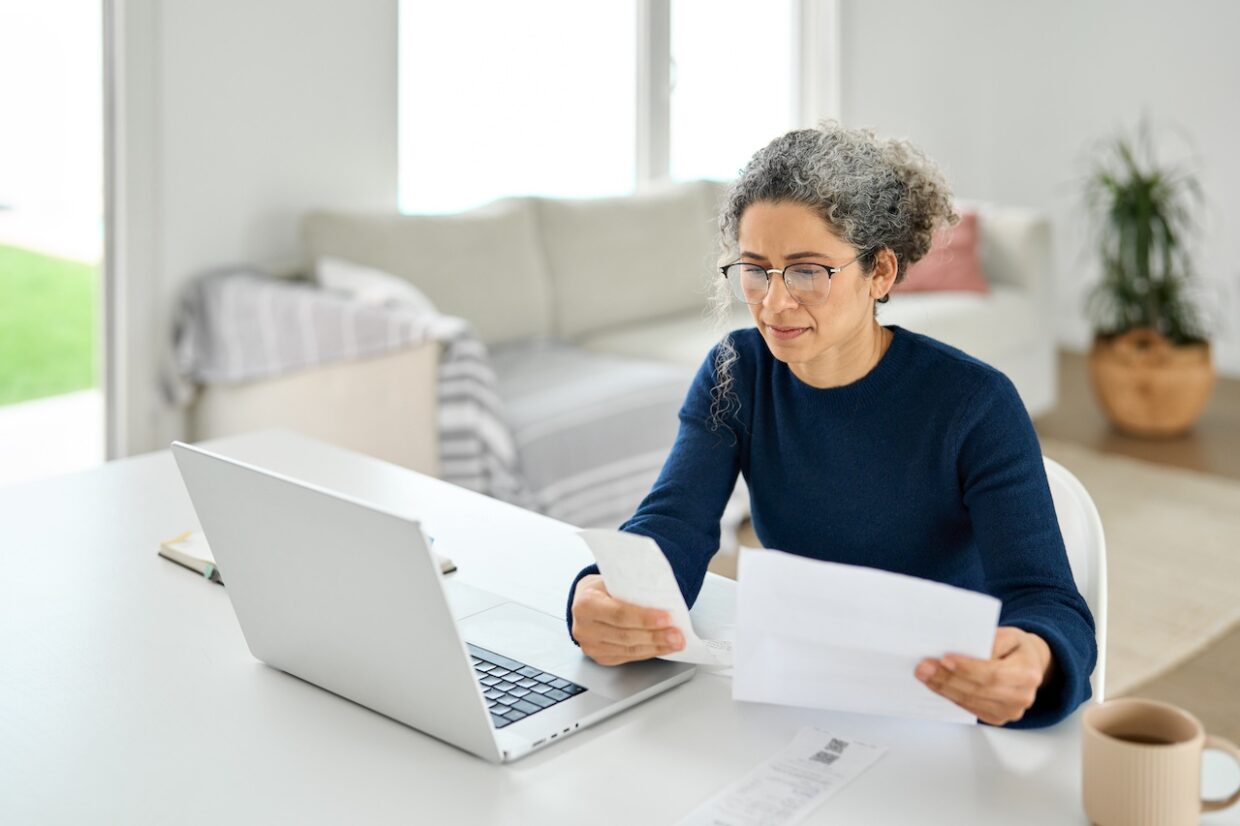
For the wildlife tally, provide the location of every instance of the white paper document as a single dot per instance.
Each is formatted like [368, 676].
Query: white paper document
[842, 637]
[790, 785]
[636, 571]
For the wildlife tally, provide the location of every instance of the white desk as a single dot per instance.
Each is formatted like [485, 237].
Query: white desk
[127, 693]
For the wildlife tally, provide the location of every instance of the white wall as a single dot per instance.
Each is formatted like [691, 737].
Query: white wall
[1008, 98]
[233, 117]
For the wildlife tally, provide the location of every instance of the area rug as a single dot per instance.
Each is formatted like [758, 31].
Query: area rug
[1173, 559]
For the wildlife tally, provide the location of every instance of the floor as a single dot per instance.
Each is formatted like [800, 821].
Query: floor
[1213, 446]
[1208, 684]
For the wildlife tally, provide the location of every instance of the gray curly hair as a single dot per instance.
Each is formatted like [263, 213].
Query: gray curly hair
[874, 193]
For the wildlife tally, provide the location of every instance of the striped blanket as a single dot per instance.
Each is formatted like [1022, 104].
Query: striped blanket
[241, 325]
[593, 429]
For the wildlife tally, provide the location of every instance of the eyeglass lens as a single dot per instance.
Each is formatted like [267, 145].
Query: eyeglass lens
[807, 283]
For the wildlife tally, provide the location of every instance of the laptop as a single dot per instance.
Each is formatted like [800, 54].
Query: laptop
[348, 596]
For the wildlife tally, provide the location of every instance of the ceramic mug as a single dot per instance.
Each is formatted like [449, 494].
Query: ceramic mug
[1142, 764]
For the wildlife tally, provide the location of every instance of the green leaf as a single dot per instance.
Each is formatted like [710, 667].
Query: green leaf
[1143, 215]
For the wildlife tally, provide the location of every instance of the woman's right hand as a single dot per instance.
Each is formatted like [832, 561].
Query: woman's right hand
[612, 632]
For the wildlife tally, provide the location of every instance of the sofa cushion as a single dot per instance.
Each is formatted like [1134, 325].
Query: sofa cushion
[592, 431]
[988, 327]
[683, 339]
[953, 262]
[613, 261]
[367, 285]
[484, 265]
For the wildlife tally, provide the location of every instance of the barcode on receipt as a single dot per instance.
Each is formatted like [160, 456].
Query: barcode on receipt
[825, 757]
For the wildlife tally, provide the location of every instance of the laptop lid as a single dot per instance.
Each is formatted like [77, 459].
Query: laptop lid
[339, 593]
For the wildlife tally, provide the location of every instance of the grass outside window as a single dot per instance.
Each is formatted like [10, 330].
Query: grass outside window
[48, 324]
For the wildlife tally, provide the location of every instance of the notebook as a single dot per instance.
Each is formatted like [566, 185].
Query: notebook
[191, 551]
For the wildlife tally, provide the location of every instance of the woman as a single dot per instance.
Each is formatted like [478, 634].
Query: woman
[861, 444]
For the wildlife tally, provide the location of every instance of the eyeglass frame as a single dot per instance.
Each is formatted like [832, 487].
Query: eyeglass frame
[831, 272]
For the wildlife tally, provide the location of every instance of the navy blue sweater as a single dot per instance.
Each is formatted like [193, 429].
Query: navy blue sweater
[928, 465]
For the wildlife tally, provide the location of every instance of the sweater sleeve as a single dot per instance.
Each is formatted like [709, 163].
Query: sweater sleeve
[1006, 492]
[682, 511]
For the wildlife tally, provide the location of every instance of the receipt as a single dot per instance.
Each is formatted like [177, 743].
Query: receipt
[790, 785]
[636, 571]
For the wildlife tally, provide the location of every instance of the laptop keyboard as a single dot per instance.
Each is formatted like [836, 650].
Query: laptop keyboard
[515, 690]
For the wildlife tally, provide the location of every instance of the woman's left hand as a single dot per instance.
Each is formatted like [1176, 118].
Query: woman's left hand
[999, 690]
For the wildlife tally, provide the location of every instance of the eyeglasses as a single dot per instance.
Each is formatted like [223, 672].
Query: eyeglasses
[808, 284]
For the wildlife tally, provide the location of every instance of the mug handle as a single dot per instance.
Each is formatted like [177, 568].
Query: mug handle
[1228, 747]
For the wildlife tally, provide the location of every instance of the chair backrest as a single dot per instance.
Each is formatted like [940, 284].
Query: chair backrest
[1087, 554]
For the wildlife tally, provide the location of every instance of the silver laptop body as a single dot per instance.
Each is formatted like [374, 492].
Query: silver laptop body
[348, 596]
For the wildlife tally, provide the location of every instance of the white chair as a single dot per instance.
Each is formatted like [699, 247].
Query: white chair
[1087, 554]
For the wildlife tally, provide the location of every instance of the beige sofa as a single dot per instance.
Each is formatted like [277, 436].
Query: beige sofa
[616, 277]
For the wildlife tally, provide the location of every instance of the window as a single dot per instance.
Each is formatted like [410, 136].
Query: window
[501, 98]
[734, 64]
[51, 237]
[543, 98]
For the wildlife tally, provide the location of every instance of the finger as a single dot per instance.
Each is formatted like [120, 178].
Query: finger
[609, 610]
[988, 711]
[958, 696]
[994, 679]
[638, 651]
[1008, 701]
[608, 653]
[590, 635]
[1008, 695]
[596, 606]
[1009, 651]
[967, 674]
[663, 638]
[1018, 671]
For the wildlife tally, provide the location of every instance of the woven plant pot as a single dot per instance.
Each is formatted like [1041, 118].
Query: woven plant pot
[1149, 387]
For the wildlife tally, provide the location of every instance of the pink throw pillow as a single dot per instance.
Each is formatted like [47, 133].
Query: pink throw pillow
[953, 262]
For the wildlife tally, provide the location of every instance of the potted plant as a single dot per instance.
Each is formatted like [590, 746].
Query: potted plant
[1150, 363]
